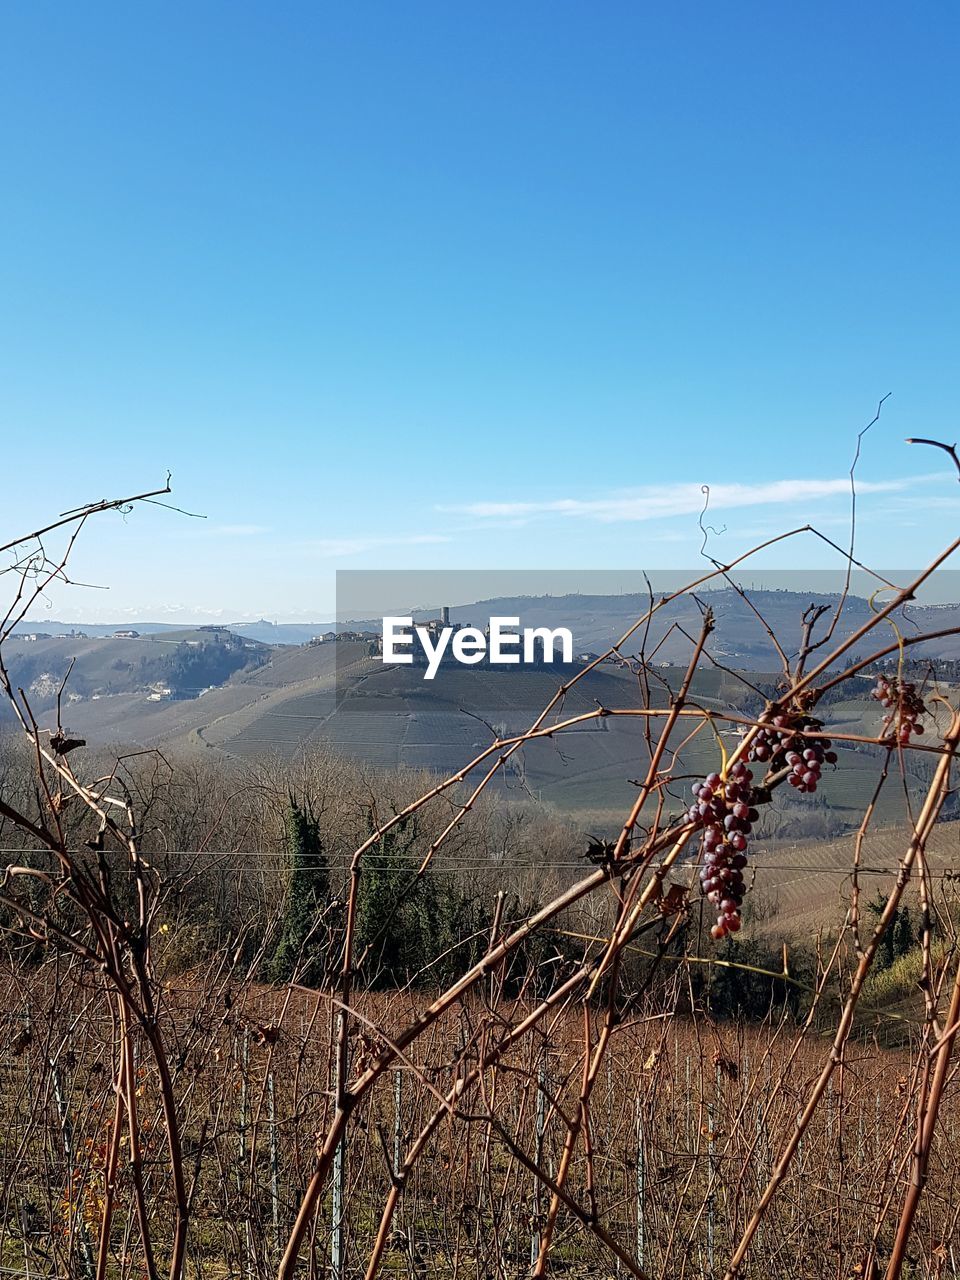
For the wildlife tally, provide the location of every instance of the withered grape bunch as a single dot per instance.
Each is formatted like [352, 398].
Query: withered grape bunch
[904, 707]
[782, 744]
[726, 812]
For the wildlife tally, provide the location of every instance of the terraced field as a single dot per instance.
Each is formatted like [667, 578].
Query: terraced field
[132, 719]
[805, 886]
[390, 716]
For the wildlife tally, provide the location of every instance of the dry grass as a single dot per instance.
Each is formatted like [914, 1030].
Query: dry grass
[686, 1121]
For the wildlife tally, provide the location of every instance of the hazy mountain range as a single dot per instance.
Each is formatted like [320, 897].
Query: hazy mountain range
[598, 620]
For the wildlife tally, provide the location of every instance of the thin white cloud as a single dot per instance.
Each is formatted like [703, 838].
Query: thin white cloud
[331, 548]
[653, 502]
[926, 503]
[239, 530]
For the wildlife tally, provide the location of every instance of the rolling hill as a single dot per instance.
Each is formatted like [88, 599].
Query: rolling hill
[211, 690]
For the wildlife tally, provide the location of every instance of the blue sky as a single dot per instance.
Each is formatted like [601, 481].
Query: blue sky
[434, 285]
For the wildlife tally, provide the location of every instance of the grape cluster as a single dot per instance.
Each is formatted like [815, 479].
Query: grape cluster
[725, 810]
[771, 741]
[805, 766]
[904, 707]
[781, 744]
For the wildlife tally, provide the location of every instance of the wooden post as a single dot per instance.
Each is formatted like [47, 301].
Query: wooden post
[66, 1133]
[641, 1175]
[397, 1125]
[710, 1190]
[242, 1143]
[541, 1126]
[339, 1170]
[274, 1163]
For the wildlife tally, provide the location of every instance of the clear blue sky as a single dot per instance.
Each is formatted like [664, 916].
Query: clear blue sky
[431, 285]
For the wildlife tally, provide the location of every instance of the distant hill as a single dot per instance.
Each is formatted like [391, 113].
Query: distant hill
[597, 621]
[339, 695]
[216, 690]
[182, 662]
[269, 633]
